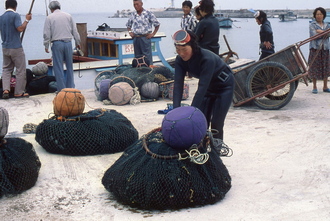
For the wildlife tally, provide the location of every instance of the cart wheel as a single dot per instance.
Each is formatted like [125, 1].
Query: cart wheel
[266, 76]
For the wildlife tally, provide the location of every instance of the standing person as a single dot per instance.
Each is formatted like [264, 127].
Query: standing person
[266, 34]
[59, 29]
[216, 80]
[139, 27]
[188, 20]
[13, 54]
[208, 29]
[319, 59]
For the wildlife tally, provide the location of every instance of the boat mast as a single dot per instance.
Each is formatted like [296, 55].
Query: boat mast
[172, 3]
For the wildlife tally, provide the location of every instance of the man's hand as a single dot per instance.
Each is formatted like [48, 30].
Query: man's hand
[150, 35]
[28, 17]
[268, 45]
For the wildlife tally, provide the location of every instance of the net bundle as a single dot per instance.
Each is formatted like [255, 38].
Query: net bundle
[146, 74]
[95, 132]
[139, 76]
[40, 68]
[165, 178]
[104, 75]
[39, 84]
[4, 122]
[19, 166]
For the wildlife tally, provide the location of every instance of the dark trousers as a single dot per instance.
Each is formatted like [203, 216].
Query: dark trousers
[142, 46]
[265, 54]
[216, 105]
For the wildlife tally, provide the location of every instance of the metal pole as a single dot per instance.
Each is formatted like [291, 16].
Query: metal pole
[26, 24]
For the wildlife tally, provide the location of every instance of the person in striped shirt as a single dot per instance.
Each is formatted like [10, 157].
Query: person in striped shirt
[188, 21]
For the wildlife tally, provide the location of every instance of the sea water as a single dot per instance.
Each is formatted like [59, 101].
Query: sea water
[243, 37]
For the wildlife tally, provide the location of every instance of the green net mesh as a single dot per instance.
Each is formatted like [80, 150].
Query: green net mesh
[19, 166]
[95, 132]
[138, 76]
[164, 178]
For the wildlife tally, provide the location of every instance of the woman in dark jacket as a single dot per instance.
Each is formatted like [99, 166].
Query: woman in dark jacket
[266, 34]
[216, 81]
[207, 30]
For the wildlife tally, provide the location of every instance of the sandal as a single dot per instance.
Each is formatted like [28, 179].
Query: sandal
[166, 110]
[326, 90]
[23, 95]
[5, 94]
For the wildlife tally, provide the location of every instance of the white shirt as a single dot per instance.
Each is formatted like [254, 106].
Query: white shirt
[60, 26]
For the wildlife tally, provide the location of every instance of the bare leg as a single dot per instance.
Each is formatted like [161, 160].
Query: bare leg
[325, 83]
[314, 83]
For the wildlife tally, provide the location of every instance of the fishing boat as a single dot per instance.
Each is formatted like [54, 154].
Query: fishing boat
[224, 21]
[288, 16]
[107, 50]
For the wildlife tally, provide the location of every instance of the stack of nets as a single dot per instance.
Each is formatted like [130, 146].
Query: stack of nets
[39, 84]
[19, 166]
[95, 132]
[138, 75]
[152, 175]
[98, 79]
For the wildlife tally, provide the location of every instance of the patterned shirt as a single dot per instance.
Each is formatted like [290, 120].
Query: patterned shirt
[142, 24]
[316, 44]
[189, 22]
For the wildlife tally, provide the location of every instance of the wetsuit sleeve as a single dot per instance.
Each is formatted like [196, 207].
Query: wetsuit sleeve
[200, 30]
[268, 33]
[179, 75]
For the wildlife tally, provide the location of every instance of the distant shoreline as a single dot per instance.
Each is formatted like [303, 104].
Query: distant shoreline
[241, 13]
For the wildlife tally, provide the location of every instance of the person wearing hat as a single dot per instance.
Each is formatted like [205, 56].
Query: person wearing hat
[216, 80]
[266, 34]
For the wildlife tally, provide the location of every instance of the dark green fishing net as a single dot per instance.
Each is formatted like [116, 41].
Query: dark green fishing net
[19, 166]
[95, 132]
[152, 175]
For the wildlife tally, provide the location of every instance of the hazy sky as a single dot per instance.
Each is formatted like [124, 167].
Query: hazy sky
[76, 6]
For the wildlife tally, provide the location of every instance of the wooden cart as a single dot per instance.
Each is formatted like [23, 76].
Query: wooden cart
[271, 82]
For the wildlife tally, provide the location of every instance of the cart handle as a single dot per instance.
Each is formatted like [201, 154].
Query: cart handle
[314, 37]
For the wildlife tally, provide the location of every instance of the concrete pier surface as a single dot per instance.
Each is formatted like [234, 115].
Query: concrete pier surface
[279, 169]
